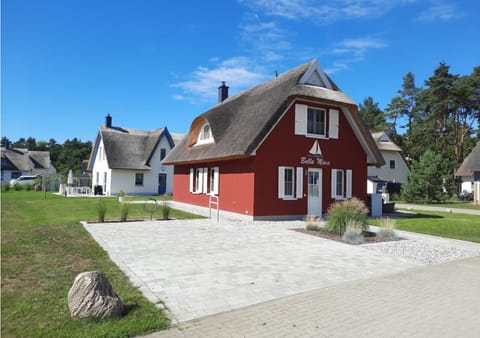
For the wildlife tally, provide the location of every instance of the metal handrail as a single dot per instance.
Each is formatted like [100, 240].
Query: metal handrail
[211, 202]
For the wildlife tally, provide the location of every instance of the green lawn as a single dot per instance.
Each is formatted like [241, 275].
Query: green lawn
[43, 248]
[443, 224]
[458, 205]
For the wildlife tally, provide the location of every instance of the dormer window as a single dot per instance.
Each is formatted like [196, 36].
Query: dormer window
[205, 135]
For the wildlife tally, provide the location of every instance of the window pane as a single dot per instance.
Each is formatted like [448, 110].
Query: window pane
[288, 182]
[163, 153]
[316, 121]
[339, 191]
[392, 164]
[313, 184]
[139, 179]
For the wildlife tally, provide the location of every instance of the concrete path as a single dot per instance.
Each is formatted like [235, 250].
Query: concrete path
[433, 208]
[199, 268]
[440, 300]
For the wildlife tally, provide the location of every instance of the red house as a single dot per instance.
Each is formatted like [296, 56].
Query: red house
[284, 149]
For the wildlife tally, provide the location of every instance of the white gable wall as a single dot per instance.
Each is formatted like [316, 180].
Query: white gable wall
[124, 179]
[397, 175]
[101, 170]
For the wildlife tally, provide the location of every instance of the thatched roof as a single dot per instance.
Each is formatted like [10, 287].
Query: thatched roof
[241, 122]
[384, 142]
[24, 160]
[127, 148]
[470, 164]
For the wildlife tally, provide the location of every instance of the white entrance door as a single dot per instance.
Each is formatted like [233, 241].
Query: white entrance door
[315, 192]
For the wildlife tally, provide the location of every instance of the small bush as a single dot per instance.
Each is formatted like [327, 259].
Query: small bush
[353, 232]
[313, 223]
[17, 187]
[101, 209]
[123, 211]
[5, 186]
[387, 227]
[165, 210]
[339, 213]
[28, 187]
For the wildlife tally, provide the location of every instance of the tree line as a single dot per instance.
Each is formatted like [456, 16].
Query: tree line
[64, 157]
[438, 122]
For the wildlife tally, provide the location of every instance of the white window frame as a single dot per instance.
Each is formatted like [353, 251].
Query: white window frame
[346, 182]
[331, 125]
[143, 179]
[214, 180]
[297, 183]
[205, 137]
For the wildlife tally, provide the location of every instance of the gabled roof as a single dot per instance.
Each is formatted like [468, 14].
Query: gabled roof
[24, 160]
[471, 163]
[127, 148]
[241, 122]
[384, 142]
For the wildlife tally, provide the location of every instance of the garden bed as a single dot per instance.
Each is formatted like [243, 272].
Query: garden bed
[369, 236]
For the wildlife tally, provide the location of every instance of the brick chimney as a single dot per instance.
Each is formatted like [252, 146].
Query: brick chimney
[222, 92]
[108, 121]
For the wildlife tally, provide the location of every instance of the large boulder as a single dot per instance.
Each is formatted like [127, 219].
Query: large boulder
[91, 295]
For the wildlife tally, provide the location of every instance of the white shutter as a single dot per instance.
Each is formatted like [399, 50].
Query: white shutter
[333, 124]
[192, 172]
[281, 182]
[334, 183]
[216, 177]
[205, 180]
[348, 183]
[300, 119]
[299, 190]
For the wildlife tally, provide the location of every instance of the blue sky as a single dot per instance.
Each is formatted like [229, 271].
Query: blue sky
[148, 63]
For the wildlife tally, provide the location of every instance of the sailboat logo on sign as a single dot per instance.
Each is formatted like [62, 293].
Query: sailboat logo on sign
[315, 151]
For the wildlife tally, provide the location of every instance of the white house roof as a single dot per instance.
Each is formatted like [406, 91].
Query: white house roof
[384, 142]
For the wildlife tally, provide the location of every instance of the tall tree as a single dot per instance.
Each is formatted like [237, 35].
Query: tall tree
[372, 115]
[428, 180]
[404, 106]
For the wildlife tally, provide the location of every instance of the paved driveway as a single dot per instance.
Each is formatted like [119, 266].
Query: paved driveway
[200, 268]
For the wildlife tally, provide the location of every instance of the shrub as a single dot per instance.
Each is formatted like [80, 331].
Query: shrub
[387, 227]
[123, 211]
[101, 209]
[17, 187]
[5, 186]
[165, 210]
[28, 187]
[339, 213]
[353, 232]
[313, 223]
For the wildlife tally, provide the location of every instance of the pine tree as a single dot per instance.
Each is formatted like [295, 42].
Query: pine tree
[372, 115]
[428, 180]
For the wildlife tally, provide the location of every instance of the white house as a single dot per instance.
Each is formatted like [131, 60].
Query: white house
[18, 161]
[131, 160]
[395, 168]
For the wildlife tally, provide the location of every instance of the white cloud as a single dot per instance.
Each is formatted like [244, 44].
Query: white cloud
[178, 97]
[439, 11]
[351, 51]
[324, 11]
[238, 72]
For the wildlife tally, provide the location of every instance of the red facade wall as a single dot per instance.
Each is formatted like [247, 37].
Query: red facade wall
[250, 186]
[235, 187]
[283, 148]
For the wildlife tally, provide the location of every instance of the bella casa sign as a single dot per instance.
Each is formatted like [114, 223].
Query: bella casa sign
[310, 161]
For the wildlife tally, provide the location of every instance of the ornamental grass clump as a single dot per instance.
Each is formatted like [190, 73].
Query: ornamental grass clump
[123, 211]
[387, 228]
[313, 223]
[353, 232]
[340, 213]
[165, 208]
[101, 209]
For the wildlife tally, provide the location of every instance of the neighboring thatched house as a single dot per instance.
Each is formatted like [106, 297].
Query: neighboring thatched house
[286, 148]
[131, 160]
[470, 170]
[395, 169]
[18, 162]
